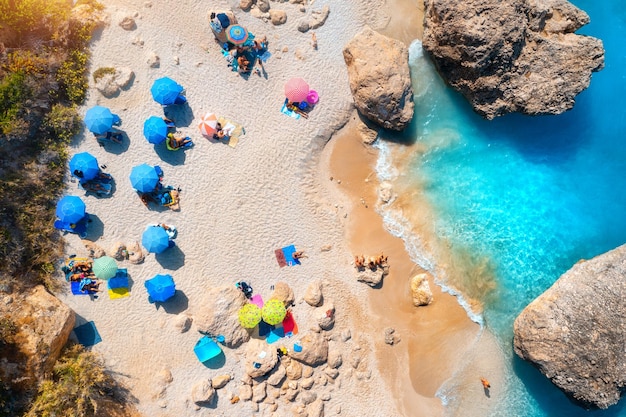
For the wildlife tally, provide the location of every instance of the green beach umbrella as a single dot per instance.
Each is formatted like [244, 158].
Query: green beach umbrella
[249, 316]
[105, 267]
[273, 312]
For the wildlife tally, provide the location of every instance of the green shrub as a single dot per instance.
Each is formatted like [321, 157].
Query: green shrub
[102, 71]
[79, 381]
[63, 123]
[72, 76]
[8, 330]
[13, 93]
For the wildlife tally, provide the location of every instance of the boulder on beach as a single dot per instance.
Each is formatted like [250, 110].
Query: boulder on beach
[372, 276]
[261, 358]
[110, 82]
[314, 349]
[574, 332]
[420, 290]
[313, 294]
[378, 70]
[135, 253]
[284, 293]
[512, 56]
[93, 250]
[117, 250]
[219, 315]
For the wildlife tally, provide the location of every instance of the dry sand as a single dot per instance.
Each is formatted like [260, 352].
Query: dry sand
[239, 204]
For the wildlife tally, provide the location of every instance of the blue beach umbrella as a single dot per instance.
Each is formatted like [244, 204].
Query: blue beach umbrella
[99, 119]
[165, 90]
[155, 239]
[144, 178]
[155, 130]
[85, 163]
[71, 209]
[161, 287]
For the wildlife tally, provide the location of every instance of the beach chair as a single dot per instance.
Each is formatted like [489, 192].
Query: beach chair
[96, 187]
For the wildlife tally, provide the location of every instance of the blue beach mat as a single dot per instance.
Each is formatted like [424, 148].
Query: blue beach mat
[289, 112]
[87, 334]
[288, 252]
[75, 287]
[118, 286]
[264, 328]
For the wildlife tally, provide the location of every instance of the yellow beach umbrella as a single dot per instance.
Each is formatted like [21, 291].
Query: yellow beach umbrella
[273, 312]
[249, 316]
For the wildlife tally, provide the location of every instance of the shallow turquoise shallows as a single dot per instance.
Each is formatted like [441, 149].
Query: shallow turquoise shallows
[532, 195]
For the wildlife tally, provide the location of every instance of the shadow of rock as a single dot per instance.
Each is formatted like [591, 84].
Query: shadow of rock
[181, 114]
[172, 258]
[175, 305]
[95, 228]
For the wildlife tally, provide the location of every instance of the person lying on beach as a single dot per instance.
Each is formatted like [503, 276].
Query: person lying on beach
[90, 285]
[219, 132]
[299, 255]
[169, 122]
[177, 141]
[244, 64]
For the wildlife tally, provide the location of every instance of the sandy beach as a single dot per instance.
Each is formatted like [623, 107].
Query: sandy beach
[240, 204]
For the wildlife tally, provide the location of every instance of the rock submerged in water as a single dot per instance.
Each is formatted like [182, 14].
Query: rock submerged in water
[574, 333]
[512, 56]
[378, 70]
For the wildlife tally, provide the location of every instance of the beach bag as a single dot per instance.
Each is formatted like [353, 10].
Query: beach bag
[223, 19]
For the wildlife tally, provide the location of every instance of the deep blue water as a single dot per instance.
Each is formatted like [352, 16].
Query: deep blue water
[528, 196]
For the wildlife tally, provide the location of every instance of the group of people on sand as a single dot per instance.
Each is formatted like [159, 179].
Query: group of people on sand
[81, 272]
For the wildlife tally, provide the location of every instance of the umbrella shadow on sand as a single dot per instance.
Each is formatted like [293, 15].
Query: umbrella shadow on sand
[172, 258]
[175, 305]
[171, 157]
[116, 148]
[181, 114]
[95, 228]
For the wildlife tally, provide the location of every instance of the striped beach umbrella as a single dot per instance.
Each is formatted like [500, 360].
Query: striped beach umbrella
[236, 34]
[250, 315]
[296, 90]
[104, 267]
[273, 312]
[208, 124]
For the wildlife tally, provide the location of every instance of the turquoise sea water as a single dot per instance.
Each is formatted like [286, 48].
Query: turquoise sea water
[529, 196]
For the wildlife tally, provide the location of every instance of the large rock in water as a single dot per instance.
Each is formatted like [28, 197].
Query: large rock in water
[378, 69]
[575, 332]
[515, 55]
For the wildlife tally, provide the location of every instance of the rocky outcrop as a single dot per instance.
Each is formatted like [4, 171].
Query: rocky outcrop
[512, 56]
[219, 315]
[575, 332]
[42, 326]
[314, 350]
[420, 290]
[378, 69]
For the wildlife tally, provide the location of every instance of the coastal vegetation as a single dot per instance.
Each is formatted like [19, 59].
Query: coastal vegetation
[44, 54]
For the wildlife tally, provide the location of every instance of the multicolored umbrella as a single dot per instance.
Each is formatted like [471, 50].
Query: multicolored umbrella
[273, 312]
[296, 90]
[155, 239]
[250, 315]
[144, 178]
[236, 34]
[208, 124]
[155, 130]
[70, 209]
[84, 166]
[165, 91]
[161, 287]
[104, 267]
[99, 119]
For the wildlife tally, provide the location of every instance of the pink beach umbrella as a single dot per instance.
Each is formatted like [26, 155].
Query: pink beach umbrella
[208, 124]
[296, 90]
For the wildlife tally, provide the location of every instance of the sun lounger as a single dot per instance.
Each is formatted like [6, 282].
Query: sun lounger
[96, 187]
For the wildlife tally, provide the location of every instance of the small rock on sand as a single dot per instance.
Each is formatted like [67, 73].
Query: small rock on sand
[135, 253]
[315, 409]
[277, 376]
[153, 60]
[117, 251]
[128, 23]
[93, 250]
[245, 392]
[220, 381]
[202, 392]
[390, 337]
[278, 17]
[260, 358]
[313, 295]
[182, 323]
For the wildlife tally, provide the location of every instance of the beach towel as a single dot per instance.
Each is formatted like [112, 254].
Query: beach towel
[231, 129]
[289, 325]
[284, 256]
[87, 334]
[258, 300]
[264, 328]
[289, 112]
[118, 286]
[275, 335]
[75, 287]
